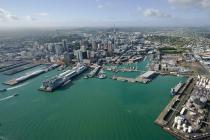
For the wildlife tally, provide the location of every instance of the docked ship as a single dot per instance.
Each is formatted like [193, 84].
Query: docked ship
[176, 89]
[62, 79]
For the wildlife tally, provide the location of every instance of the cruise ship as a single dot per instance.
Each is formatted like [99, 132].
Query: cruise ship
[176, 89]
[62, 79]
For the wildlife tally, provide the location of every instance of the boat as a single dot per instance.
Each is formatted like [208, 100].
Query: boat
[101, 74]
[3, 90]
[86, 77]
[176, 89]
[16, 94]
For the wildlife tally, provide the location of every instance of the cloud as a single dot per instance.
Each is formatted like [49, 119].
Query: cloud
[30, 18]
[100, 6]
[7, 16]
[155, 13]
[43, 14]
[188, 3]
[139, 8]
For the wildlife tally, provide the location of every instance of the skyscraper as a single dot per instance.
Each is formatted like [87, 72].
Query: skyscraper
[79, 56]
[67, 58]
[110, 49]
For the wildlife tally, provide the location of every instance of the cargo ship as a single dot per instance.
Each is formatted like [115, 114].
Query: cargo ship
[176, 89]
[62, 79]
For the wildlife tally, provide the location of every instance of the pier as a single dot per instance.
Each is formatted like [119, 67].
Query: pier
[143, 78]
[20, 69]
[13, 66]
[167, 116]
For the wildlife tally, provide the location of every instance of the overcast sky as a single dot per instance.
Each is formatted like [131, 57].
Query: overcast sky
[41, 13]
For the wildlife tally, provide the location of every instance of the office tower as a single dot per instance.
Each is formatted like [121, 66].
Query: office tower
[67, 58]
[110, 49]
[79, 56]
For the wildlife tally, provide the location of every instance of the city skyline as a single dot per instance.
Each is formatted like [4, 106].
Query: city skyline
[80, 13]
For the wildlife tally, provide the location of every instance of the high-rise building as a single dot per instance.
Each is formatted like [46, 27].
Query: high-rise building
[110, 49]
[79, 56]
[94, 46]
[83, 48]
[58, 49]
[64, 42]
[67, 58]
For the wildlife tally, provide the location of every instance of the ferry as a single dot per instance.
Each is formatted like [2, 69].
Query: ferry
[176, 89]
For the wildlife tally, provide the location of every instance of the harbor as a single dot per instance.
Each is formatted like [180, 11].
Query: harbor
[122, 111]
[187, 114]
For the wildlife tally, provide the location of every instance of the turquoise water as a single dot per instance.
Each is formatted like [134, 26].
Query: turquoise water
[88, 109]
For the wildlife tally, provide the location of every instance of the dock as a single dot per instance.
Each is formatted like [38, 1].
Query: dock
[20, 69]
[24, 77]
[13, 66]
[143, 78]
[166, 117]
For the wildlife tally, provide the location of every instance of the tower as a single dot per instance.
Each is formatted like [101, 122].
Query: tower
[114, 35]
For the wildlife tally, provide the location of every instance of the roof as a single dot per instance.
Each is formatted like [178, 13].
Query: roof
[148, 74]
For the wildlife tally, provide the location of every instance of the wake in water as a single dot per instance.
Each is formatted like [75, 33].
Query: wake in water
[18, 86]
[6, 98]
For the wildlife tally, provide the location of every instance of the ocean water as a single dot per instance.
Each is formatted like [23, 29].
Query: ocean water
[87, 109]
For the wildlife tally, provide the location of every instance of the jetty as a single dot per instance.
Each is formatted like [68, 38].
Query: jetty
[143, 78]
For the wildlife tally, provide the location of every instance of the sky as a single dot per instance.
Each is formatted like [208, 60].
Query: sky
[104, 13]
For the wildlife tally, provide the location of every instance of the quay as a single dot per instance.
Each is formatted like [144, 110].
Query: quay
[144, 78]
[24, 78]
[13, 66]
[20, 69]
[30, 75]
[178, 110]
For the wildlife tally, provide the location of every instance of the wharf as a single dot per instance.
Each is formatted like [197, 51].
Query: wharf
[13, 66]
[131, 80]
[144, 78]
[20, 69]
[166, 117]
[24, 78]
[11, 82]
